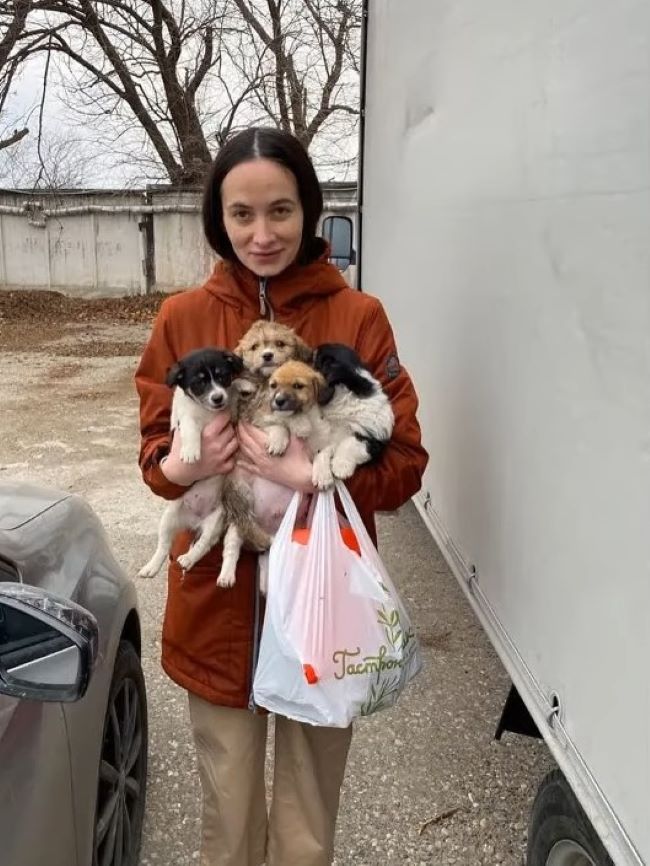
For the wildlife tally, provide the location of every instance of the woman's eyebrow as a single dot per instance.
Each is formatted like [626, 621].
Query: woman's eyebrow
[243, 206]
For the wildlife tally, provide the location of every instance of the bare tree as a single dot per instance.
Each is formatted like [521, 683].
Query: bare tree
[169, 80]
[13, 17]
[308, 48]
[58, 162]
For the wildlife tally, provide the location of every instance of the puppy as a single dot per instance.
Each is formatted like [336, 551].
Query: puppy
[296, 389]
[291, 408]
[267, 345]
[205, 383]
[356, 410]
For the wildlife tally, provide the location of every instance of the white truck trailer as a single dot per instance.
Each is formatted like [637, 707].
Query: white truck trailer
[505, 223]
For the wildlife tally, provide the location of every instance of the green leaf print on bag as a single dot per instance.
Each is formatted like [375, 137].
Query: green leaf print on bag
[398, 639]
[382, 696]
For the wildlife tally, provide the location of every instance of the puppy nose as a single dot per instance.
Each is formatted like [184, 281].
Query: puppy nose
[267, 356]
[280, 400]
[216, 399]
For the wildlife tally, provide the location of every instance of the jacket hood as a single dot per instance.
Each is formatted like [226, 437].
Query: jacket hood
[237, 286]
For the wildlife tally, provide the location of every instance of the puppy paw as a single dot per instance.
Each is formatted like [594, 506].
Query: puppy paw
[190, 453]
[278, 441]
[148, 571]
[342, 466]
[186, 561]
[226, 579]
[321, 475]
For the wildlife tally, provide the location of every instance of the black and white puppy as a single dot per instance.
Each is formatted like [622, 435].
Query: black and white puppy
[357, 411]
[205, 383]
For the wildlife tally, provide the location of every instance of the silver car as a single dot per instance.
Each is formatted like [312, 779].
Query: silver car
[73, 710]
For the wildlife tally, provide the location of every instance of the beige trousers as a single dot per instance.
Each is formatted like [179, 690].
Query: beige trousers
[309, 768]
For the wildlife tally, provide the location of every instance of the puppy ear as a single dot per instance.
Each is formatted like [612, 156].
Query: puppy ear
[323, 392]
[358, 384]
[175, 376]
[303, 351]
[235, 362]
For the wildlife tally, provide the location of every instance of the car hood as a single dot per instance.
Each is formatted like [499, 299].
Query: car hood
[56, 541]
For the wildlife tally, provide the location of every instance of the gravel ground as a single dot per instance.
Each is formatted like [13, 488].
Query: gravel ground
[426, 782]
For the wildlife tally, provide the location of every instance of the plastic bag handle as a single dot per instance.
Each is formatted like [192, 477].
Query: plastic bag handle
[368, 549]
[288, 522]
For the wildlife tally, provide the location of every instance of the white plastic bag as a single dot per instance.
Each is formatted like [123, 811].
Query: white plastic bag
[337, 642]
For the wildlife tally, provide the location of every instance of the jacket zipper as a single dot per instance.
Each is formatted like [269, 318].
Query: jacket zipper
[266, 310]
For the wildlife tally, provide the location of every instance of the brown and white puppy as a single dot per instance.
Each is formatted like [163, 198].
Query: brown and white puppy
[291, 407]
[253, 505]
[295, 390]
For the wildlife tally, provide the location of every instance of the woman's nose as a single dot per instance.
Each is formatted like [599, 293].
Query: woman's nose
[262, 234]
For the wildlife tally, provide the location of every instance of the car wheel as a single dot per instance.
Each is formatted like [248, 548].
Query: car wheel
[560, 834]
[123, 765]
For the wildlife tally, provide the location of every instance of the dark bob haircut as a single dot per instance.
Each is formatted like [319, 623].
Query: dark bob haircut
[286, 150]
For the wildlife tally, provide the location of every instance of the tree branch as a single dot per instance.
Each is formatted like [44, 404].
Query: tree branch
[17, 135]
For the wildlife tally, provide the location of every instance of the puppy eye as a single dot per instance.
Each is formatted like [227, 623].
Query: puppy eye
[280, 344]
[298, 386]
[273, 386]
[255, 347]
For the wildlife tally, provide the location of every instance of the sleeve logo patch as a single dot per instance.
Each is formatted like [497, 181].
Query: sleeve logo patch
[393, 367]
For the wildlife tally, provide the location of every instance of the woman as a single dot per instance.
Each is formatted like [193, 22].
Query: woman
[261, 207]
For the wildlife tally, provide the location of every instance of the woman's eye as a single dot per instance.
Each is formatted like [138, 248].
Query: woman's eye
[241, 215]
[282, 211]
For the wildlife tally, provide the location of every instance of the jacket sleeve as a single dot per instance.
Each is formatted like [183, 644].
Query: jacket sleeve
[390, 482]
[155, 407]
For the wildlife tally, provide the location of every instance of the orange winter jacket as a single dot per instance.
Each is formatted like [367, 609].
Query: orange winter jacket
[210, 635]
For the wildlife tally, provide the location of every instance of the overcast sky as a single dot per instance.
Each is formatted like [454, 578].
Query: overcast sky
[97, 168]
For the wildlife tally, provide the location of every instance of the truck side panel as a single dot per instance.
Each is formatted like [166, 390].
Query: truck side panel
[506, 227]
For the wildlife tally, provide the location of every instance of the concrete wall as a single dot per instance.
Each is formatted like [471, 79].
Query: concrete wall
[103, 243]
[93, 253]
[182, 257]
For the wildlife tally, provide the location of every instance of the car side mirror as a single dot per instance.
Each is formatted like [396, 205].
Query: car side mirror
[48, 645]
[339, 232]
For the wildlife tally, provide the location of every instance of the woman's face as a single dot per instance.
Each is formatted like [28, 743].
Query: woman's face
[262, 215]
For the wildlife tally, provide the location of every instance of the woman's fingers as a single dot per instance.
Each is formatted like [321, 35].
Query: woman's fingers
[247, 466]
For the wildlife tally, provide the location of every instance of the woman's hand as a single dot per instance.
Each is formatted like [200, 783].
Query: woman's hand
[218, 448]
[293, 469]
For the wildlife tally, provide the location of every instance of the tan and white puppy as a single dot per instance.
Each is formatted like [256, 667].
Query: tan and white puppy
[267, 345]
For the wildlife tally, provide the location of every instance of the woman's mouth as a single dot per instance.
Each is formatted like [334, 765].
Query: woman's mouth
[267, 255]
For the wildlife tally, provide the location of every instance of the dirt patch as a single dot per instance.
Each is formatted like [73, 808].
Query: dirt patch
[52, 307]
[59, 372]
[36, 319]
[100, 350]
